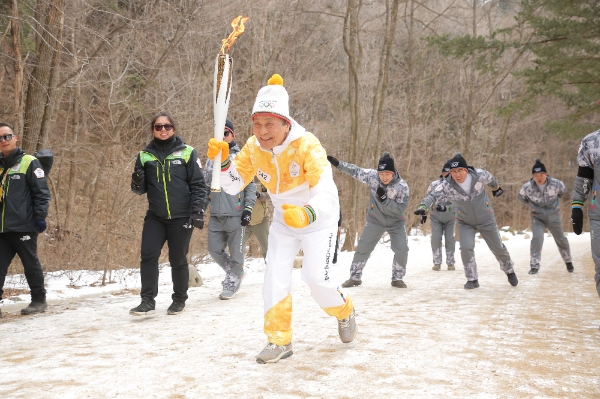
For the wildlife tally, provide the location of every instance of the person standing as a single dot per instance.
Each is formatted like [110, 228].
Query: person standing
[169, 172]
[293, 166]
[586, 183]
[442, 224]
[465, 189]
[229, 214]
[542, 194]
[24, 199]
[389, 195]
[259, 222]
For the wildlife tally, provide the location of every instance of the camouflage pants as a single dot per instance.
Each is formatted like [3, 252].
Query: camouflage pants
[538, 225]
[227, 232]
[442, 227]
[489, 232]
[367, 242]
[595, 233]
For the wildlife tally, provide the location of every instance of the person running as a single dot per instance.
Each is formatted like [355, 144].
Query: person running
[259, 221]
[465, 189]
[442, 224]
[586, 182]
[229, 214]
[170, 173]
[24, 201]
[389, 195]
[293, 166]
[542, 194]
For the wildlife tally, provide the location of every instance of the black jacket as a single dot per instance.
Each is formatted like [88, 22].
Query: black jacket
[174, 180]
[25, 195]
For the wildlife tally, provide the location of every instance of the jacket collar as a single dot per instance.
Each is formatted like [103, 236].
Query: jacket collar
[12, 159]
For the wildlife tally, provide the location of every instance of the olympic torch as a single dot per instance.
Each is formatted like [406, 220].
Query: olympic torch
[222, 94]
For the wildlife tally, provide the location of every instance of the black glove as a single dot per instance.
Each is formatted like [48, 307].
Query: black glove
[497, 192]
[420, 211]
[423, 219]
[381, 194]
[40, 225]
[138, 177]
[246, 216]
[577, 220]
[333, 161]
[441, 208]
[196, 219]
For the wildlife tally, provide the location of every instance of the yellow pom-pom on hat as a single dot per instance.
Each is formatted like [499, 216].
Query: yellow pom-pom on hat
[276, 79]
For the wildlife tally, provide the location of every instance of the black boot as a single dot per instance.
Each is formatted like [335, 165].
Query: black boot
[471, 285]
[36, 306]
[512, 279]
[570, 267]
[144, 308]
[176, 307]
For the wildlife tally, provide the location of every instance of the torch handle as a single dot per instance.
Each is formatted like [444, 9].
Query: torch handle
[221, 91]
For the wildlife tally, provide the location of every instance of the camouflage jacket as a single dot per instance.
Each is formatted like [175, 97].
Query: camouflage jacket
[386, 213]
[542, 201]
[439, 201]
[471, 209]
[589, 157]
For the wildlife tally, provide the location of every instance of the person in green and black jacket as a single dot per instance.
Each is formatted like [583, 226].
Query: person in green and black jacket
[24, 199]
[170, 173]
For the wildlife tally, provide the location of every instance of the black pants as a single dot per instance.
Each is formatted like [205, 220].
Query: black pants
[25, 245]
[156, 231]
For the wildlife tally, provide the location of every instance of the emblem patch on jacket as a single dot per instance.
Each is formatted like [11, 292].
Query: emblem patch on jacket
[39, 173]
[263, 175]
[294, 169]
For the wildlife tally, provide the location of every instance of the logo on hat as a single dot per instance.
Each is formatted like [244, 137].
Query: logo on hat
[382, 166]
[537, 170]
[454, 164]
[268, 104]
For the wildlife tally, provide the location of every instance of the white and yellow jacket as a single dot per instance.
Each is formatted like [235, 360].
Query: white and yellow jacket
[296, 172]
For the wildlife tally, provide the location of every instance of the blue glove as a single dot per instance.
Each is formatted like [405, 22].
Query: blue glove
[40, 225]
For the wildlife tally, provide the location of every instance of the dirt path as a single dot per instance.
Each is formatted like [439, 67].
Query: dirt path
[433, 339]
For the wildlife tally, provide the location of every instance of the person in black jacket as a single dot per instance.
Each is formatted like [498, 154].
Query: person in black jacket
[170, 173]
[24, 199]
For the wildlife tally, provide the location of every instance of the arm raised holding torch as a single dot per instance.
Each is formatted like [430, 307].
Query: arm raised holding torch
[222, 94]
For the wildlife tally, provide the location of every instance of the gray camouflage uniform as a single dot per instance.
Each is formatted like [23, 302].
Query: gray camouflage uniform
[474, 213]
[442, 224]
[589, 157]
[225, 224]
[381, 217]
[545, 214]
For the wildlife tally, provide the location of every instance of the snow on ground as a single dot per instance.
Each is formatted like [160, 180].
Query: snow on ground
[433, 340]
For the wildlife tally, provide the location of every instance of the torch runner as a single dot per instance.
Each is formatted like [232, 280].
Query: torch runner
[222, 93]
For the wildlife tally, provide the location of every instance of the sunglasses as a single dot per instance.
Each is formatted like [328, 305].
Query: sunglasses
[166, 126]
[7, 137]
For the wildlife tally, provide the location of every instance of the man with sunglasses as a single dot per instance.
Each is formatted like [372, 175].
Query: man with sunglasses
[465, 189]
[24, 199]
[229, 214]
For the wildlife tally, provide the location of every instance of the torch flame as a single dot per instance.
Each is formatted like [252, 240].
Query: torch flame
[238, 28]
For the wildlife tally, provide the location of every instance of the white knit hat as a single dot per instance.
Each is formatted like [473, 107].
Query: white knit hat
[273, 99]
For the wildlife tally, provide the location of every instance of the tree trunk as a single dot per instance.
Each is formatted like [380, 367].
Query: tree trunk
[353, 49]
[19, 70]
[40, 92]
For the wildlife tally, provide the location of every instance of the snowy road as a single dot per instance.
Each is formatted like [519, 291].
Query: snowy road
[433, 339]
